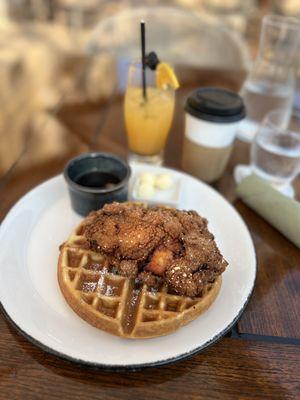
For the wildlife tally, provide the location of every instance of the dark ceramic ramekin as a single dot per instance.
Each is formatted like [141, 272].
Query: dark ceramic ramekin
[85, 199]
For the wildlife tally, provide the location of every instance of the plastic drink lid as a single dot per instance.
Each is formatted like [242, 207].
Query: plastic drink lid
[215, 105]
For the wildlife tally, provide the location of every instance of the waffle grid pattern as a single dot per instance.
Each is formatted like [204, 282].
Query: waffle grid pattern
[110, 297]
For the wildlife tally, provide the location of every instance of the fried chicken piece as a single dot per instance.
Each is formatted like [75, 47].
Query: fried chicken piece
[201, 249]
[183, 281]
[151, 280]
[128, 268]
[137, 239]
[172, 226]
[160, 261]
[155, 244]
[186, 281]
[122, 231]
[180, 278]
[175, 246]
[191, 221]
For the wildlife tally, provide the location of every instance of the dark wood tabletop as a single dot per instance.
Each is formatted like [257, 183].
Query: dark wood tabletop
[258, 359]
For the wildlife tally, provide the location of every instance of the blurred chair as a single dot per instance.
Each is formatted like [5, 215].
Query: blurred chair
[178, 36]
[236, 14]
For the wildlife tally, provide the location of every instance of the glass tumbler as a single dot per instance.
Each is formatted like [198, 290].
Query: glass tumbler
[148, 119]
[271, 82]
[275, 151]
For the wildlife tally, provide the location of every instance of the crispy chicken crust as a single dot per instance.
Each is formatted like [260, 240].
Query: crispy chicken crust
[157, 244]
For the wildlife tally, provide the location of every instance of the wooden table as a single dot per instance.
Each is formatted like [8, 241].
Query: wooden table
[258, 359]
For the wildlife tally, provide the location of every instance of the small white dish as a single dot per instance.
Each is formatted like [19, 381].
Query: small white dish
[30, 296]
[169, 197]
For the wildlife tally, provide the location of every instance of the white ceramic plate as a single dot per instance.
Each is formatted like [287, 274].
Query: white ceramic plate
[30, 295]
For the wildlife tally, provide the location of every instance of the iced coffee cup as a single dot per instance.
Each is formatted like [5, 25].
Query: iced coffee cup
[212, 116]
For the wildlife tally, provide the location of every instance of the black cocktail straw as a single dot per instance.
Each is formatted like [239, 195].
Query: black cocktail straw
[143, 59]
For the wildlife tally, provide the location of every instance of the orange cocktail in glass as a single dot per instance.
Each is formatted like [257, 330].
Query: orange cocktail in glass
[148, 119]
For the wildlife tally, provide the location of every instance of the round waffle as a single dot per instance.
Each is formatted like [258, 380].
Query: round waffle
[114, 303]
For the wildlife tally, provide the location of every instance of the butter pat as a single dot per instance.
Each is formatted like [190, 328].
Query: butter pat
[163, 182]
[146, 190]
[147, 177]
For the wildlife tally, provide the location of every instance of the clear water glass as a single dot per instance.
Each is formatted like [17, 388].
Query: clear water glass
[275, 151]
[271, 82]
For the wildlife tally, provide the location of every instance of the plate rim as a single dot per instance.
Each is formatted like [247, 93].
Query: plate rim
[130, 367]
